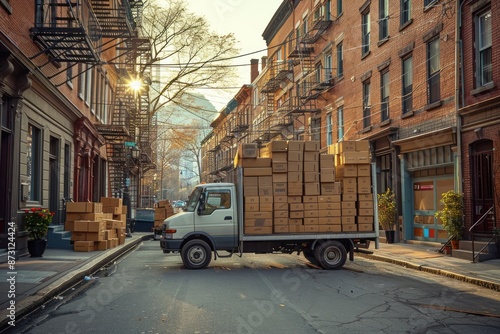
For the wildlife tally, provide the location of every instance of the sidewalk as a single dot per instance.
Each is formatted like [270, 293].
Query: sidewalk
[39, 279]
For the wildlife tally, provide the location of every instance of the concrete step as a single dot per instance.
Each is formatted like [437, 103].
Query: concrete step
[58, 238]
[467, 255]
[478, 245]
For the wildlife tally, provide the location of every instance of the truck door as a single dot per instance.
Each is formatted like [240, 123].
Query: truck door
[217, 217]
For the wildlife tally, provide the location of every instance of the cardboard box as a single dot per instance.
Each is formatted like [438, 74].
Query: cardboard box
[348, 220]
[266, 199]
[294, 177]
[101, 245]
[296, 228]
[280, 221]
[251, 181]
[311, 177]
[296, 206]
[112, 224]
[365, 212]
[280, 177]
[311, 166]
[348, 205]
[258, 215]
[349, 197]
[311, 214]
[72, 216]
[311, 221]
[365, 220]
[281, 199]
[280, 206]
[162, 203]
[259, 222]
[80, 225]
[354, 158]
[326, 161]
[96, 226]
[259, 171]
[69, 226]
[345, 146]
[330, 220]
[268, 206]
[311, 228]
[364, 170]
[349, 185]
[83, 207]
[311, 156]
[349, 227]
[295, 166]
[281, 229]
[94, 236]
[116, 210]
[365, 227]
[365, 204]
[295, 145]
[295, 156]
[277, 146]
[111, 201]
[84, 246]
[362, 145]
[252, 199]
[332, 188]
[295, 189]
[364, 185]
[249, 207]
[295, 221]
[296, 214]
[365, 197]
[78, 236]
[310, 199]
[250, 191]
[311, 145]
[249, 150]
[294, 199]
[330, 228]
[266, 190]
[253, 162]
[327, 175]
[280, 189]
[329, 198]
[346, 171]
[258, 230]
[349, 212]
[265, 180]
[280, 166]
[329, 206]
[280, 214]
[278, 156]
[312, 188]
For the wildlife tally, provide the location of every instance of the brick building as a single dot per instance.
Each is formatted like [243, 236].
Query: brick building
[65, 111]
[385, 71]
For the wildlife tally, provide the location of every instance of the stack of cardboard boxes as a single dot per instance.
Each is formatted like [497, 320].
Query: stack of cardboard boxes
[292, 188]
[163, 210]
[92, 229]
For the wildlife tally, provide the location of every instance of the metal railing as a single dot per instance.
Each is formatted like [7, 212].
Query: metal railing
[471, 230]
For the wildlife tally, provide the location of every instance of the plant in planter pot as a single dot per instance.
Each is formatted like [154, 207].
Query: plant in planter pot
[387, 211]
[451, 215]
[36, 222]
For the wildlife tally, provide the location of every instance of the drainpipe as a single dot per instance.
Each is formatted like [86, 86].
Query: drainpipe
[458, 70]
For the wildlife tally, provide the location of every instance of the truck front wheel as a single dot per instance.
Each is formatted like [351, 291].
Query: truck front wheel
[330, 254]
[196, 254]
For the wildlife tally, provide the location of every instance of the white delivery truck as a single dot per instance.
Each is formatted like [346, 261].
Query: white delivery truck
[214, 222]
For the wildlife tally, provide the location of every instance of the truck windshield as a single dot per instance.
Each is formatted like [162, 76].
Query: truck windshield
[193, 199]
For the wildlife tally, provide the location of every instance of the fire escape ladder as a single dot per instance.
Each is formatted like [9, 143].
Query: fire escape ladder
[68, 31]
[114, 22]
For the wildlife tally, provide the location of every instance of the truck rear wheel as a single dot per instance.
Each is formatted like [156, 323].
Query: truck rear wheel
[330, 254]
[196, 254]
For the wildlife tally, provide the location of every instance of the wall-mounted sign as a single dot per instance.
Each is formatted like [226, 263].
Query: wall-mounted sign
[423, 186]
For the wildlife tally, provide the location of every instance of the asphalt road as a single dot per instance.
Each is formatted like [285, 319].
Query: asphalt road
[151, 292]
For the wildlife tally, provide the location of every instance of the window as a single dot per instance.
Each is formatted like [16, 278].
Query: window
[217, 199]
[428, 2]
[34, 162]
[339, 7]
[81, 80]
[365, 33]
[317, 74]
[305, 28]
[340, 60]
[340, 123]
[255, 97]
[407, 85]
[483, 52]
[433, 71]
[405, 11]
[366, 104]
[329, 129]
[315, 128]
[69, 74]
[328, 66]
[383, 22]
[328, 5]
[384, 96]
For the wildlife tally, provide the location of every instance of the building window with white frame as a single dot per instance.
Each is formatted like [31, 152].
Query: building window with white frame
[384, 95]
[405, 14]
[407, 91]
[366, 104]
[329, 129]
[340, 123]
[365, 33]
[383, 21]
[484, 49]
[340, 60]
[433, 71]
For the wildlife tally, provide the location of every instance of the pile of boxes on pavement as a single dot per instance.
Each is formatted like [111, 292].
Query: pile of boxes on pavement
[291, 188]
[96, 226]
[163, 210]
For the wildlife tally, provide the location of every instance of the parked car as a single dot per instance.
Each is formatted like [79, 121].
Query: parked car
[179, 204]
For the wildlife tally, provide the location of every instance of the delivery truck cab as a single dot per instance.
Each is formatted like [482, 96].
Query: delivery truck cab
[213, 222]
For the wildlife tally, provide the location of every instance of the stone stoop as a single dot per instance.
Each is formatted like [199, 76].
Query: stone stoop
[58, 238]
[465, 251]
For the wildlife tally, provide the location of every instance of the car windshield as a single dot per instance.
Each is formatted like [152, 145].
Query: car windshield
[193, 199]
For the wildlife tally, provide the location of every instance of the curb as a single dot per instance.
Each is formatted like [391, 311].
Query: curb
[436, 271]
[63, 283]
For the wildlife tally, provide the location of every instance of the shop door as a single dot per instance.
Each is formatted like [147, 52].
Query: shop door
[482, 183]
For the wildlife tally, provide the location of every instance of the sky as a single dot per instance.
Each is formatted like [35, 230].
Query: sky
[246, 19]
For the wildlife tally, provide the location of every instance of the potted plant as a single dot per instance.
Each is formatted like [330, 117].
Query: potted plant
[36, 222]
[451, 216]
[387, 210]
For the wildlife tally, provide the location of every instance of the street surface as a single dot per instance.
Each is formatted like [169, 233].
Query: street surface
[151, 292]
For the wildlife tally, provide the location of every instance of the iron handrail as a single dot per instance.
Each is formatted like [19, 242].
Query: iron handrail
[471, 230]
